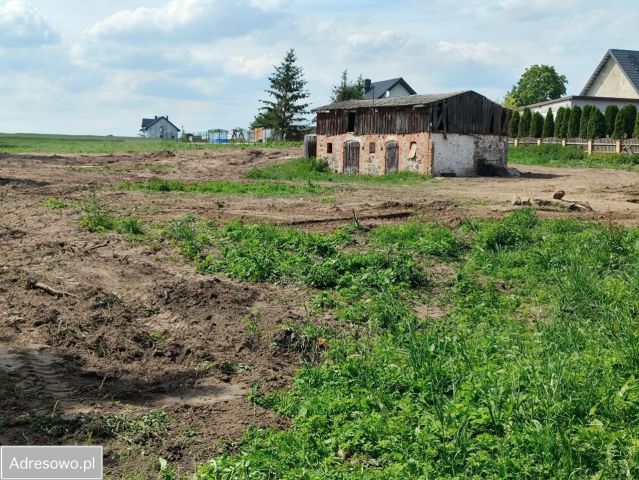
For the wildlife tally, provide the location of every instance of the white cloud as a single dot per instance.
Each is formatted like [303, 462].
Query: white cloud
[479, 52]
[22, 25]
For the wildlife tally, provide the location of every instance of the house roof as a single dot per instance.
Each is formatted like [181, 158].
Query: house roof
[149, 122]
[380, 88]
[628, 61]
[581, 97]
[407, 101]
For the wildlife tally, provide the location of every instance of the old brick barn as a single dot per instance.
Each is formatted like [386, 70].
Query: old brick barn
[461, 133]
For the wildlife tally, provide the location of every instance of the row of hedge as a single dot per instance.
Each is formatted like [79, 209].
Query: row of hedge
[576, 122]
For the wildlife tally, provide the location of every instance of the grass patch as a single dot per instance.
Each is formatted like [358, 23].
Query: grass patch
[56, 203]
[558, 156]
[97, 219]
[259, 189]
[532, 373]
[317, 170]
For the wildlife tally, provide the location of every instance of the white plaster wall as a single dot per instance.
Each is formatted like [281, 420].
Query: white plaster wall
[612, 82]
[454, 154]
[460, 154]
[398, 91]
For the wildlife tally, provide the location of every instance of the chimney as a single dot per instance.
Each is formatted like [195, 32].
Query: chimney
[156, 117]
[367, 85]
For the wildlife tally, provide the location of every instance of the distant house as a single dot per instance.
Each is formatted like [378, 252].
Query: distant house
[159, 127]
[615, 81]
[395, 87]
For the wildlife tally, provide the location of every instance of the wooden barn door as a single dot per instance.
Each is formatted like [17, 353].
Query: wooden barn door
[351, 157]
[392, 157]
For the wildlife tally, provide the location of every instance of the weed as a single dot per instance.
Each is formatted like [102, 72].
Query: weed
[96, 219]
[137, 430]
[558, 156]
[56, 203]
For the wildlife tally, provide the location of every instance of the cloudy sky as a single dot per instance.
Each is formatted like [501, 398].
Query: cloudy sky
[99, 66]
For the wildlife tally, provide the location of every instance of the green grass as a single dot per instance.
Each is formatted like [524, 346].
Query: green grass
[97, 219]
[317, 170]
[259, 189]
[38, 143]
[558, 156]
[56, 203]
[531, 374]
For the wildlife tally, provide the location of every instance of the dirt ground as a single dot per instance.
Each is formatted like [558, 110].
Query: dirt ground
[99, 333]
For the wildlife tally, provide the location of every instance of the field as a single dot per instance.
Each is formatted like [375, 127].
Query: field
[235, 313]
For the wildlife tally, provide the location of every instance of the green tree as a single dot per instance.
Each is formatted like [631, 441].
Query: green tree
[635, 134]
[574, 121]
[536, 125]
[596, 124]
[348, 90]
[524, 123]
[565, 125]
[549, 125]
[264, 119]
[625, 122]
[561, 112]
[286, 108]
[611, 116]
[537, 84]
[583, 123]
[513, 125]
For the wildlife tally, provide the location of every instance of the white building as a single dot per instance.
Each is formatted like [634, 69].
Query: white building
[614, 82]
[395, 87]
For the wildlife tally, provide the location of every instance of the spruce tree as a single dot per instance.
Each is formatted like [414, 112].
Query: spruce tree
[583, 123]
[630, 119]
[288, 91]
[524, 123]
[574, 120]
[565, 125]
[513, 125]
[536, 125]
[549, 125]
[611, 116]
[635, 134]
[348, 90]
[596, 124]
[559, 121]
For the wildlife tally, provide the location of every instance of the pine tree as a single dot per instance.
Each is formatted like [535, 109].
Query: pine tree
[513, 125]
[559, 120]
[536, 125]
[524, 123]
[611, 116]
[596, 124]
[347, 90]
[549, 125]
[574, 120]
[565, 125]
[583, 123]
[288, 91]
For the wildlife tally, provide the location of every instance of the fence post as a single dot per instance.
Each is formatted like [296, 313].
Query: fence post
[539, 141]
[563, 142]
[589, 147]
[618, 146]
[516, 142]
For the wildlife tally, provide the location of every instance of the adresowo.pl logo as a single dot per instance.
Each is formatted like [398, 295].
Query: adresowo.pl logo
[50, 463]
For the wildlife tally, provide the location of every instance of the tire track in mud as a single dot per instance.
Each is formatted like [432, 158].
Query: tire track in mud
[40, 377]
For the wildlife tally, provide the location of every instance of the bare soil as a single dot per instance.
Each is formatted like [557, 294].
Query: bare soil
[97, 327]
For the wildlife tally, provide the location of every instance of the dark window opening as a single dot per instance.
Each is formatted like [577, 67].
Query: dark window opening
[371, 147]
[329, 148]
[351, 122]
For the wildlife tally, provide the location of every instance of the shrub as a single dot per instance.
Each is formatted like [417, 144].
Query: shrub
[561, 113]
[596, 124]
[549, 125]
[625, 122]
[513, 124]
[583, 123]
[574, 120]
[536, 125]
[524, 123]
[611, 116]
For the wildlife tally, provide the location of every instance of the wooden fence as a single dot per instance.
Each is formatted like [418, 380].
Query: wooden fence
[599, 145]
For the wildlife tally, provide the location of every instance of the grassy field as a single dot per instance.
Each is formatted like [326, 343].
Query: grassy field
[258, 189]
[528, 372]
[35, 143]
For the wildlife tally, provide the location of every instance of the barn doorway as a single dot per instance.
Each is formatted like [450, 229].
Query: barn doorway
[351, 157]
[392, 157]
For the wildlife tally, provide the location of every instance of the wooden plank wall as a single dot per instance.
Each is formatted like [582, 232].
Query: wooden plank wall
[468, 113]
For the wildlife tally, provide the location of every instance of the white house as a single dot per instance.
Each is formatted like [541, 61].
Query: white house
[394, 87]
[159, 127]
[615, 81]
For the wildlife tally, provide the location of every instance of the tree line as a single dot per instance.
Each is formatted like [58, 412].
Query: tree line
[576, 122]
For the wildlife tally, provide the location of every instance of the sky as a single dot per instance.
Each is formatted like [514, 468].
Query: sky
[99, 66]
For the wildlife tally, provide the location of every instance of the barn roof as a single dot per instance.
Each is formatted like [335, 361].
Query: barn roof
[411, 100]
[628, 61]
[378, 89]
[149, 122]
